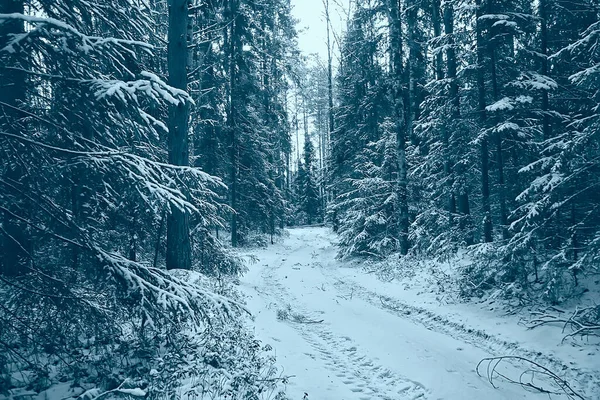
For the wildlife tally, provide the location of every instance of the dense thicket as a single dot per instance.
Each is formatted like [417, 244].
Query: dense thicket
[464, 124]
[135, 136]
[101, 194]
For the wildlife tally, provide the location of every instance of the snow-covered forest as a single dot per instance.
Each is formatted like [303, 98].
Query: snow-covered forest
[194, 206]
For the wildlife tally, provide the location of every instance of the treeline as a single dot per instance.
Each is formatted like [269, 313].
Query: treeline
[135, 137]
[471, 124]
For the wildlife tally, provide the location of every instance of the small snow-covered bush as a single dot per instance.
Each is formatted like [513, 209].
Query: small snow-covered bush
[517, 275]
[164, 355]
[283, 314]
[223, 361]
[86, 189]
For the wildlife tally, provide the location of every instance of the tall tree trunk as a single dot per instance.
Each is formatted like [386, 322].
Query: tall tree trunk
[15, 240]
[331, 124]
[178, 229]
[329, 70]
[462, 195]
[437, 32]
[297, 126]
[231, 15]
[304, 117]
[485, 175]
[234, 161]
[321, 138]
[439, 76]
[400, 121]
[543, 11]
[497, 135]
[414, 57]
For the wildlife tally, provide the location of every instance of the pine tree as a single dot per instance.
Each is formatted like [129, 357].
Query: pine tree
[178, 229]
[85, 185]
[554, 223]
[364, 154]
[310, 203]
[402, 119]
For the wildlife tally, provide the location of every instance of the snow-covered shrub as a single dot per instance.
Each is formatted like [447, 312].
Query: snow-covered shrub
[201, 345]
[368, 221]
[223, 361]
[504, 272]
[283, 314]
[84, 189]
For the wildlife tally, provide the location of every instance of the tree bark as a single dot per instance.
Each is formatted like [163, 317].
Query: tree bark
[178, 230]
[462, 195]
[485, 175]
[231, 118]
[437, 32]
[329, 71]
[331, 121]
[15, 240]
[497, 135]
[439, 75]
[546, 126]
[397, 69]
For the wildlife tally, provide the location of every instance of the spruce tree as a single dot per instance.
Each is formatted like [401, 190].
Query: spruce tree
[310, 203]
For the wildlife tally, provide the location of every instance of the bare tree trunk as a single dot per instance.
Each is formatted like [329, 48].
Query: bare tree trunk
[462, 196]
[304, 117]
[398, 98]
[485, 175]
[451, 57]
[439, 75]
[15, 240]
[329, 69]
[546, 127]
[178, 229]
[331, 125]
[437, 32]
[231, 39]
[297, 126]
[497, 135]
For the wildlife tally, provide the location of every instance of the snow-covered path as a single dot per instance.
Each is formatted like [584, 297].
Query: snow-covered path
[363, 348]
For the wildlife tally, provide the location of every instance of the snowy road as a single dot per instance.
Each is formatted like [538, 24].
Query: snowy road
[363, 349]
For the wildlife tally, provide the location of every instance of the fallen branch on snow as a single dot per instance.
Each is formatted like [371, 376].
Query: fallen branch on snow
[288, 315]
[527, 378]
[583, 322]
[307, 321]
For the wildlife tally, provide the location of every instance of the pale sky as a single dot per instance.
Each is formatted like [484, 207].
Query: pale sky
[312, 30]
[312, 38]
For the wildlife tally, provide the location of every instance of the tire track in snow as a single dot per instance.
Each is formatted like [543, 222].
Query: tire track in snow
[586, 380]
[361, 374]
[457, 330]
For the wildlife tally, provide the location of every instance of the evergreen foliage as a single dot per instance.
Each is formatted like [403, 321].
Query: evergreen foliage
[98, 200]
[494, 106]
[309, 202]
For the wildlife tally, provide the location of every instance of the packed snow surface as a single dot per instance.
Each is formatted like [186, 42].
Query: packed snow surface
[342, 334]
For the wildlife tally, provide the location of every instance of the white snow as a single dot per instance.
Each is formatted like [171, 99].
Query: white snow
[502, 104]
[344, 334]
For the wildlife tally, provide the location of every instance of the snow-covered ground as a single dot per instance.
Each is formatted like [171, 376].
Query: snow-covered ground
[343, 334]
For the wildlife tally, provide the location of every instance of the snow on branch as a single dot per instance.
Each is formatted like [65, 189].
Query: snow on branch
[589, 38]
[534, 377]
[162, 182]
[508, 104]
[88, 43]
[153, 87]
[534, 81]
[122, 389]
[164, 293]
[582, 322]
[155, 180]
[585, 74]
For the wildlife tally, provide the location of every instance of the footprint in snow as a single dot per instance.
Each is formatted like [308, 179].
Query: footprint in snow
[360, 373]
